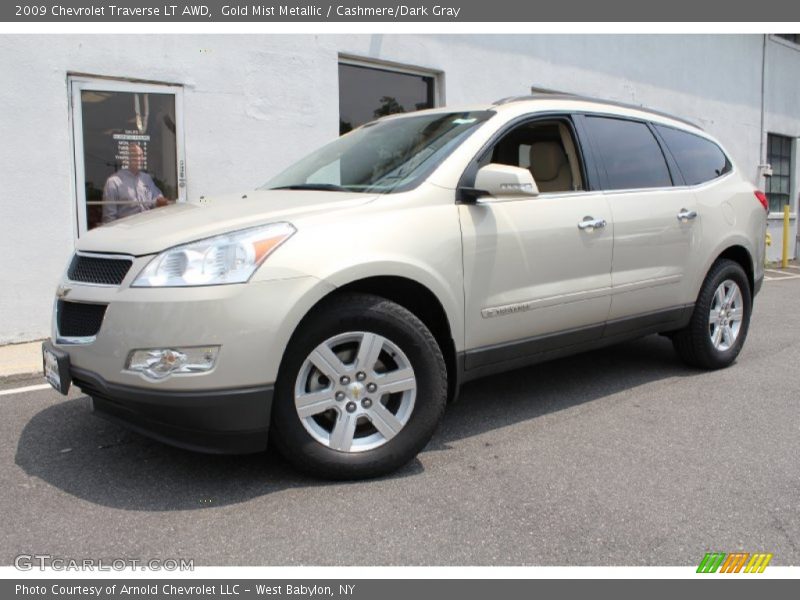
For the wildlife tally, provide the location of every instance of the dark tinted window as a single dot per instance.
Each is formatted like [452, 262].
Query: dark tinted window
[366, 94]
[792, 37]
[630, 153]
[698, 158]
[125, 133]
[779, 156]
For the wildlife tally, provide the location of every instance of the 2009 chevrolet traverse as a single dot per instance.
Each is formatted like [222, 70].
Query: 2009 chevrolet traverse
[341, 304]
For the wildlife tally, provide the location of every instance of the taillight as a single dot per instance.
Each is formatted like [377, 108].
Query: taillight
[762, 197]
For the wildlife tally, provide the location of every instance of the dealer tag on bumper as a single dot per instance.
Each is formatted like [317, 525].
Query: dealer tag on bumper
[56, 367]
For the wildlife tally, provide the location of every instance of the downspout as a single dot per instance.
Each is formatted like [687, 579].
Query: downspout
[761, 156]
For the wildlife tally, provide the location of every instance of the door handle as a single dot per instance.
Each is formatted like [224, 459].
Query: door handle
[686, 215]
[591, 223]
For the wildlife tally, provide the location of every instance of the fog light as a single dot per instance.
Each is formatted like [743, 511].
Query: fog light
[158, 363]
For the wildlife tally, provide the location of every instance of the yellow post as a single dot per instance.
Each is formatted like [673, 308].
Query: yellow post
[785, 254]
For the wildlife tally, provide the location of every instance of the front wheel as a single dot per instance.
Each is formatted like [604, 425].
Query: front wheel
[718, 327]
[360, 391]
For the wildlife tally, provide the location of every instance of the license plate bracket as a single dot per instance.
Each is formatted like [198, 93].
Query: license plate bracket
[55, 363]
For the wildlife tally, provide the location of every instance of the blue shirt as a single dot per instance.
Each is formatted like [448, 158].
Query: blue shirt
[128, 194]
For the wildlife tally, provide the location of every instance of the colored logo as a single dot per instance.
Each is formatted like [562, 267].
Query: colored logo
[734, 563]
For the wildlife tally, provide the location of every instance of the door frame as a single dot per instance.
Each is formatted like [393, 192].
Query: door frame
[77, 84]
[586, 155]
[597, 157]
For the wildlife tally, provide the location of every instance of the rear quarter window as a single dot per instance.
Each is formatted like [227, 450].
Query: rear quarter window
[630, 154]
[699, 159]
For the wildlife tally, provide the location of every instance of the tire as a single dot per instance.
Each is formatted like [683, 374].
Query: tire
[718, 327]
[362, 426]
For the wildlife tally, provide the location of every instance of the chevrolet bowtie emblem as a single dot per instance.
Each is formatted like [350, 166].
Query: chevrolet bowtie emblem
[62, 291]
[355, 393]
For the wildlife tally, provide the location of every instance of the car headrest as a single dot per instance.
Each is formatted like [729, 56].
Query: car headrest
[547, 158]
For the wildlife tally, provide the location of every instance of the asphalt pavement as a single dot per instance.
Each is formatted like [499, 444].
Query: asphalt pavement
[622, 456]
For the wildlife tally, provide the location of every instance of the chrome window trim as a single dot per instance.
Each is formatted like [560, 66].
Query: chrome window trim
[672, 188]
[543, 196]
[579, 193]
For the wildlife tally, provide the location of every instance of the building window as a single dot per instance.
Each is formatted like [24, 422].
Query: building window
[128, 148]
[367, 93]
[792, 37]
[779, 186]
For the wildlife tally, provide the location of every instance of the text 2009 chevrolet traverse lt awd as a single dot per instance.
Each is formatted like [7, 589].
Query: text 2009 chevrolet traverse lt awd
[340, 305]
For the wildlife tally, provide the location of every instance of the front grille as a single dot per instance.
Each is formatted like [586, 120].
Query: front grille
[92, 269]
[76, 319]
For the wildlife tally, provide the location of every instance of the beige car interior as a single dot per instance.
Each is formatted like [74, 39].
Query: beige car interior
[546, 149]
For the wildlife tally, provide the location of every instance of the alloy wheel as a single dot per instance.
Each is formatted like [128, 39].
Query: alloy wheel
[355, 391]
[725, 317]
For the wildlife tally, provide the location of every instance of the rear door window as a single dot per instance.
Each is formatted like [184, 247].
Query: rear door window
[699, 159]
[629, 152]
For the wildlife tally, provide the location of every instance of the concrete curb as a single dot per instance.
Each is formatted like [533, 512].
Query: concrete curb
[20, 361]
[22, 378]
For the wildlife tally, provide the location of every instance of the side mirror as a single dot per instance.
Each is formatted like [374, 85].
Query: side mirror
[504, 180]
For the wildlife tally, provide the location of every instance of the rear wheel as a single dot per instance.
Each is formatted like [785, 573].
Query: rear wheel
[360, 391]
[721, 318]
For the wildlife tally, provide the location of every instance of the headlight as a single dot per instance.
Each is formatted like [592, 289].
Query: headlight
[229, 258]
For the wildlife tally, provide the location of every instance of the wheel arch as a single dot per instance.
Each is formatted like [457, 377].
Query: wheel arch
[415, 297]
[739, 254]
[736, 249]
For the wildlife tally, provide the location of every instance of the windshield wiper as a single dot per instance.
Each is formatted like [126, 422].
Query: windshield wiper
[325, 187]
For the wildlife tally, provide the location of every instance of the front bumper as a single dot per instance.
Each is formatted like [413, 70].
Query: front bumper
[224, 410]
[227, 421]
[251, 323]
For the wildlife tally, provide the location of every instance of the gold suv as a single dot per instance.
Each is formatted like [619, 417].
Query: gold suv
[343, 303]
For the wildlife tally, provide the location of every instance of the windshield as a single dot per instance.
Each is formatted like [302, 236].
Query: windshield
[383, 156]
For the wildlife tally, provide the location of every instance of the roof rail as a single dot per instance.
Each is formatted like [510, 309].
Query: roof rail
[577, 97]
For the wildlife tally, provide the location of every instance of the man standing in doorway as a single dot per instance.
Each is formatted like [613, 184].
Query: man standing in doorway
[130, 190]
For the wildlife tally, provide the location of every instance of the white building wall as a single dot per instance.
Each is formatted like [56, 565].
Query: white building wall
[782, 116]
[254, 104]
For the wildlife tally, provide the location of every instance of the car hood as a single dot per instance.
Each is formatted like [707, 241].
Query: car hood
[162, 228]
